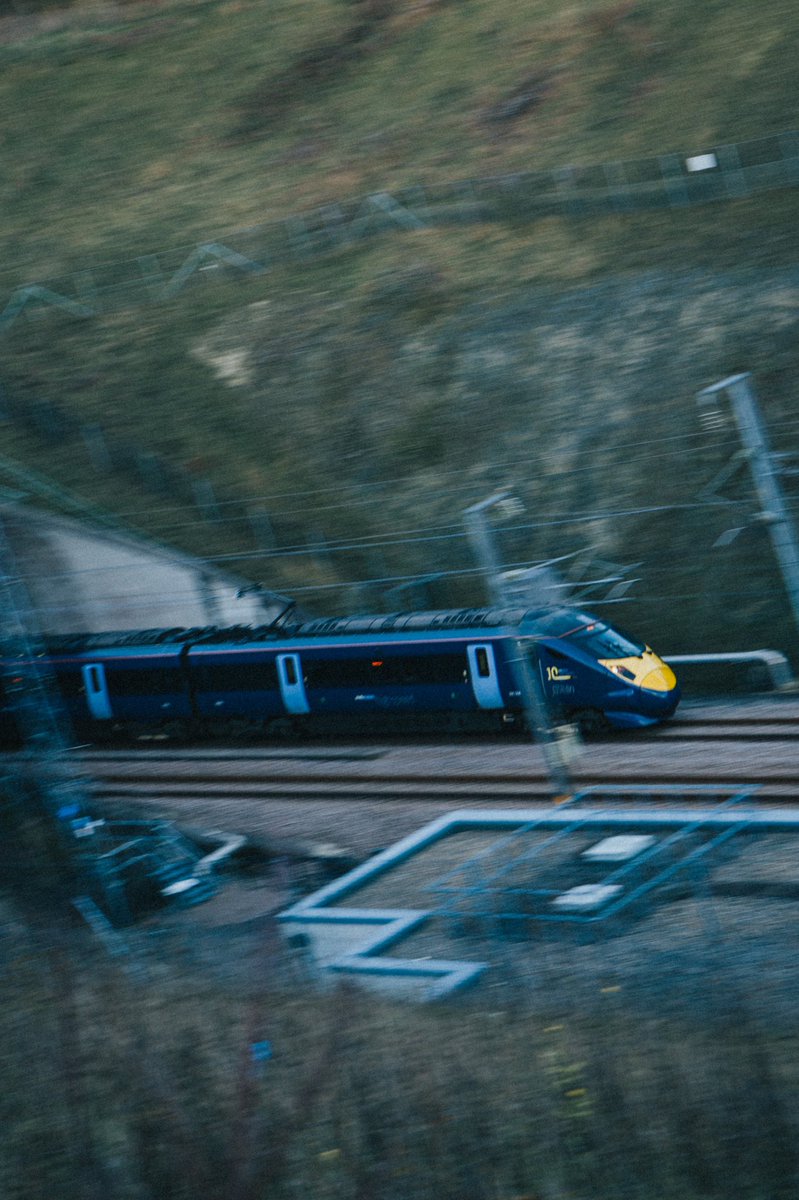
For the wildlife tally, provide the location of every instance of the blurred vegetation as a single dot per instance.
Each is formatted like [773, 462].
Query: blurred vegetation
[353, 404]
[140, 1078]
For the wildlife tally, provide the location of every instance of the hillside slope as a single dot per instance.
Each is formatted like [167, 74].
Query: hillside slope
[340, 411]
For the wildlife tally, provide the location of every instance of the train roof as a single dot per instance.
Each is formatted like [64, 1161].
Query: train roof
[74, 643]
[382, 623]
[464, 618]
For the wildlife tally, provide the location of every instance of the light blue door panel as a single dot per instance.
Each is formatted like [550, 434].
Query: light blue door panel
[97, 697]
[292, 687]
[483, 675]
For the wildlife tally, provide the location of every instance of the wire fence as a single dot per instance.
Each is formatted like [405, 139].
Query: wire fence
[665, 181]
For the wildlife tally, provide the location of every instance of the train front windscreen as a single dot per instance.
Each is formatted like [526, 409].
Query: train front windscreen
[593, 636]
[603, 642]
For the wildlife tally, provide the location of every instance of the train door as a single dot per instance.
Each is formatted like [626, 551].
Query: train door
[292, 687]
[97, 697]
[483, 674]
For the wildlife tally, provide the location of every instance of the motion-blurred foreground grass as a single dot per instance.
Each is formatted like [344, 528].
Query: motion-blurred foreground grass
[145, 1086]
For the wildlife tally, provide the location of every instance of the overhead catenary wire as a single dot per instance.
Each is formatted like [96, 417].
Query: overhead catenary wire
[403, 538]
[684, 443]
[360, 493]
[500, 466]
[589, 602]
[689, 563]
[348, 504]
[351, 501]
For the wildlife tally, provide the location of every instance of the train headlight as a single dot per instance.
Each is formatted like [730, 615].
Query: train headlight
[620, 670]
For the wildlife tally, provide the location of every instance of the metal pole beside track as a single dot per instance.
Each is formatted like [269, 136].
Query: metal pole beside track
[45, 780]
[479, 535]
[765, 474]
[553, 748]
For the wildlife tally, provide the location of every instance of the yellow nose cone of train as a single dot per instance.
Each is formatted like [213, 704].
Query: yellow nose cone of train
[662, 679]
[655, 674]
[645, 671]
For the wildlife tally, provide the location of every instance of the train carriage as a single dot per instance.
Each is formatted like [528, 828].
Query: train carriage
[454, 669]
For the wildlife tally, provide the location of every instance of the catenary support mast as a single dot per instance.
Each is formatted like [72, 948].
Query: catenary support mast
[765, 474]
[40, 782]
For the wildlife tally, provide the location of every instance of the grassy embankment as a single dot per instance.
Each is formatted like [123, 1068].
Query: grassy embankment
[137, 130]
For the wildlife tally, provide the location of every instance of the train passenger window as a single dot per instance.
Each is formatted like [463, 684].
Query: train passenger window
[337, 673]
[69, 683]
[436, 668]
[340, 672]
[387, 670]
[483, 665]
[138, 681]
[236, 677]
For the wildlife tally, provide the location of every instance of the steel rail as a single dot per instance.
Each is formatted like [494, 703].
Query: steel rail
[420, 790]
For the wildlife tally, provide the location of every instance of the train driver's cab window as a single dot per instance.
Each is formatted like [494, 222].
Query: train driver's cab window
[605, 642]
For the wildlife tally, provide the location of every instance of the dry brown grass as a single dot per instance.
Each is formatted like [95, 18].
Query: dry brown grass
[135, 1078]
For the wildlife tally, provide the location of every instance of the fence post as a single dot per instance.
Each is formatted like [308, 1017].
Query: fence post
[732, 172]
[205, 499]
[151, 273]
[262, 529]
[789, 148]
[564, 179]
[618, 188]
[94, 440]
[672, 171]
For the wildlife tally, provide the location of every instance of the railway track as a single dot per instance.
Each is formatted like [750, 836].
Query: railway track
[532, 791]
[758, 752]
[722, 728]
[508, 789]
[732, 747]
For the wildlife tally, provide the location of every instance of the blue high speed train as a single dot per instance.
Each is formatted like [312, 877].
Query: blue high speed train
[407, 671]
